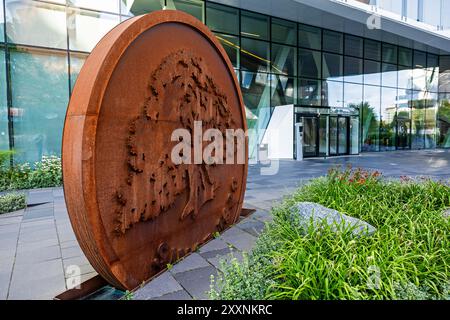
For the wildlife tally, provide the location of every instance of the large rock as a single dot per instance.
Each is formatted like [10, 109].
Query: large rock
[303, 212]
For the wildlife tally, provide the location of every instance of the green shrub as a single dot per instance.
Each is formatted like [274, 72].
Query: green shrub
[11, 202]
[45, 173]
[408, 257]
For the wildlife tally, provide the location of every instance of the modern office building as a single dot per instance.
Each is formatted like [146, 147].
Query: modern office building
[360, 76]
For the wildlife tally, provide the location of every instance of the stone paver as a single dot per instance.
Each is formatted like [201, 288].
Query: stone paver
[37, 244]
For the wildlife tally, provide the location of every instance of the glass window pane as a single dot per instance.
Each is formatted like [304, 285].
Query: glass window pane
[332, 41]
[443, 121]
[310, 93]
[36, 23]
[255, 55]
[353, 46]
[38, 122]
[372, 73]
[135, 8]
[103, 5]
[370, 114]
[284, 59]
[430, 120]
[419, 79]
[389, 75]
[353, 96]
[193, 7]
[432, 77]
[332, 67]
[389, 53]
[388, 122]
[405, 57]
[254, 25]
[283, 90]
[284, 31]
[86, 28]
[372, 49]
[76, 62]
[418, 105]
[222, 19]
[405, 75]
[444, 74]
[2, 23]
[4, 135]
[309, 63]
[231, 46]
[420, 59]
[309, 37]
[333, 94]
[256, 94]
[353, 70]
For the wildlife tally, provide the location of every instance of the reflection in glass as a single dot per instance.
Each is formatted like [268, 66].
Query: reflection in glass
[405, 77]
[254, 55]
[418, 104]
[38, 122]
[389, 75]
[333, 136]
[283, 90]
[284, 32]
[432, 77]
[443, 121]
[309, 37]
[343, 135]
[135, 8]
[372, 49]
[284, 59]
[332, 67]
[104, 5]
[192, 7]
[4, 134]
[222, 19]
[444, 74]
[372, 73]
[310, 92]
[231, 46]
[430, 120]
[389, 53]
[353, 96]
[370, 112]
[403, 120]
[309, 63]
[76, 62]
[388, 119]
[2, 23]
[332, 41]
[420, 59]
[323, 136]
[333, 94]
[353, 70]
[36, 23]
[354, 135]
[256, 94]
[86, 28]
[419, 79]
[405, 56]
[254, 25]
[354, 46]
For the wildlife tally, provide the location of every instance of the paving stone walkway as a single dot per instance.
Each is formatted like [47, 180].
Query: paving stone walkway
[37, 244]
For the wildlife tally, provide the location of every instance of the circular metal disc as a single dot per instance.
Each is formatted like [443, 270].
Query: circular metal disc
[132, 208]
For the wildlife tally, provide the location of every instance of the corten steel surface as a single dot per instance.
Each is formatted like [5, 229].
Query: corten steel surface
[133, 211]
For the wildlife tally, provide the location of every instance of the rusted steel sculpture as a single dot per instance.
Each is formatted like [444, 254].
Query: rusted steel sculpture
[132, 208]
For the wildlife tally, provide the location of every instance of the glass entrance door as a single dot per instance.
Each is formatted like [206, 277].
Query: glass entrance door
[310, 135]
[343, 128]
[403, 134]
[339, 135]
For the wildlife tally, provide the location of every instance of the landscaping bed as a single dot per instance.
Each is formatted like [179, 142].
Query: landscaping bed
[406, 257]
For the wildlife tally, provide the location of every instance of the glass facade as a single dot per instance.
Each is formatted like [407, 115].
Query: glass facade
[367, 95]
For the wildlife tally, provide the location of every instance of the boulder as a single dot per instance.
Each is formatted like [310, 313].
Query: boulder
[303, 212]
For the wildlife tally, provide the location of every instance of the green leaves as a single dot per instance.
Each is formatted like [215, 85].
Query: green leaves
[11, 202]
[408, 257]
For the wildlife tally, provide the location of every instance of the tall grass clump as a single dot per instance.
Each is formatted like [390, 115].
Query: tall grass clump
[408, 257]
